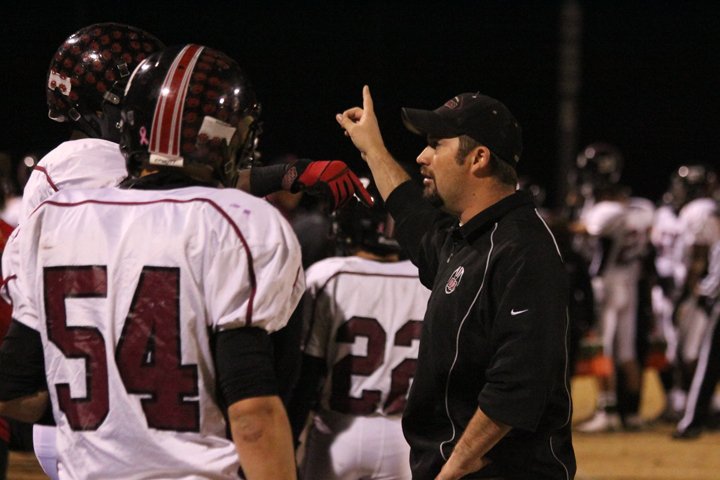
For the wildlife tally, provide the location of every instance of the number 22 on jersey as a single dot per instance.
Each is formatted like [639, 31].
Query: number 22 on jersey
[349, 365]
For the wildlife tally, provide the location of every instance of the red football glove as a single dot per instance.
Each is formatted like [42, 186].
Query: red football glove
[326, 177]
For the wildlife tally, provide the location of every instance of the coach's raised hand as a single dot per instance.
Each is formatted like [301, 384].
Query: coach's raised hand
[361, 126]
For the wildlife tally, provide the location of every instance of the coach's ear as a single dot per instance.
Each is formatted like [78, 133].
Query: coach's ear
[479, 158]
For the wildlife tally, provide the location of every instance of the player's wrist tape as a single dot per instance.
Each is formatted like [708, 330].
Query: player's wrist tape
[270, 179]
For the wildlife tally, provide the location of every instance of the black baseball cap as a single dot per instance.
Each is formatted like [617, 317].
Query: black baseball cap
[478, 116]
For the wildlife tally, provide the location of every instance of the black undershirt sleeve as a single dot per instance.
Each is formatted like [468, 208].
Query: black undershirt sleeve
[22, 363]
[244, 364]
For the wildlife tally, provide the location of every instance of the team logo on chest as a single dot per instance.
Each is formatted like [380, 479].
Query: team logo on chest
[454, 280]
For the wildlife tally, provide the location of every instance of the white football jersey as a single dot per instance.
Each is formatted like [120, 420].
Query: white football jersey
[697, 228]
[125, 288]
[626, 229]
[365, 319]
[710, 285]
[696, 223]
[666, 231]
[83, 163]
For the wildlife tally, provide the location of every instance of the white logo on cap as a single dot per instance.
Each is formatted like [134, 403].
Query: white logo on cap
[452, 103]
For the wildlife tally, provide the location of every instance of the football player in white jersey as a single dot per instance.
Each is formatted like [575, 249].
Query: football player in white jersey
[622, 226]
[698, 232]
[150, 305]
[707, 372]
[363, 315]
[85, 84]
[664, 237]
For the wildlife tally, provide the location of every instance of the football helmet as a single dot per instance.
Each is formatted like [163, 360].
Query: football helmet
[192, 107]
[88, 74]
[370, 228]
[690, 182]
[598, 164]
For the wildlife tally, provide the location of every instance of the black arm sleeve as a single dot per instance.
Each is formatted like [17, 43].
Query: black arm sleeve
[244, 364]
[22, 363]
[267, 180]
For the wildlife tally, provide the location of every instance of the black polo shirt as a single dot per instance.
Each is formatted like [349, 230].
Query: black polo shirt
[494, 337]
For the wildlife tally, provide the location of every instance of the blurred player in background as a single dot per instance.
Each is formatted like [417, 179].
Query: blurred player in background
[166, 289]
[597, 164]
[698, 232]
[671, 269]
[363, 314]
[707, 372]
[620, 227]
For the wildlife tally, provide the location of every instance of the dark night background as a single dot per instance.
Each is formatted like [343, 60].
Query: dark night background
[650, 71]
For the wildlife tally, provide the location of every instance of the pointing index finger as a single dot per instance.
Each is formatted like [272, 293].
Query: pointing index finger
[367, 99]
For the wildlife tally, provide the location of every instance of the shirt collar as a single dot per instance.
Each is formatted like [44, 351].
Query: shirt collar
[483, 220]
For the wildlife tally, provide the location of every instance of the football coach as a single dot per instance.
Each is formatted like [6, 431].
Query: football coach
[491, 395]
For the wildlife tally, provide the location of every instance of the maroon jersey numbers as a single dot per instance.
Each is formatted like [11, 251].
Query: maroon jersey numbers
[340, 399]
[85, 413]
[147, 356]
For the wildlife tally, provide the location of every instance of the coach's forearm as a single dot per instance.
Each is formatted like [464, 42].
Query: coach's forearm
[481, 434]
[261, 432]
[386, 171]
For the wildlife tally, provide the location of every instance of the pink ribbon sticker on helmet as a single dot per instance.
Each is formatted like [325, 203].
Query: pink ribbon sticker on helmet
[143, 136]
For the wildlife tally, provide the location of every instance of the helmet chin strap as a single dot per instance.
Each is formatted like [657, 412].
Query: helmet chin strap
[105, 128]
[74, 115]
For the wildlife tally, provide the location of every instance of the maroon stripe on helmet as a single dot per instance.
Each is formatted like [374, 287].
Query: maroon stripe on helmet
[165, 133]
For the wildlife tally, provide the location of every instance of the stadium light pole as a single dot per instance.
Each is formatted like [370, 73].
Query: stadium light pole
[569, 80]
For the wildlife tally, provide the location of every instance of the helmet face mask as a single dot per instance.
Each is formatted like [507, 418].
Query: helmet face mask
[190, 107]
[88, 74]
